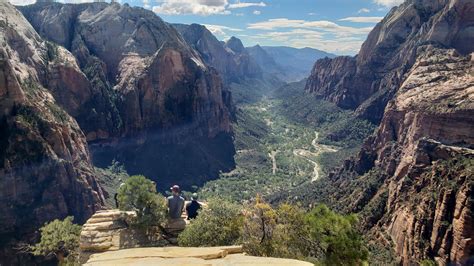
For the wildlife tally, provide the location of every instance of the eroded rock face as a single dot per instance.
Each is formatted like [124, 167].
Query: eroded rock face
[45, 168]
[372, 77]
[148, 97]
[429, 180]
[413, 180]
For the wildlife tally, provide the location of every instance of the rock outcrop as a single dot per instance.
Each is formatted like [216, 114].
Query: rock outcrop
[230, 59]
[186, 256]
[212, 51]
[147, 98]
[368, 81]
[246, 65]
[45, 167]
[425, 147]
[412, 182]
[110, 230]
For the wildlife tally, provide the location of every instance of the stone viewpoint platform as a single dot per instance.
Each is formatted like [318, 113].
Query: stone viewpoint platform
[180, 256]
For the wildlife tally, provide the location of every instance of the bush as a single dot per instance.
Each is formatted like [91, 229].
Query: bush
[218, 224]
[278, 232]
[59, 238]
[139, 194]
[320, 236]
[337, 236]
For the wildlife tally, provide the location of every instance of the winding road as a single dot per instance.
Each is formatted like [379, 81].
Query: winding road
[308, 155]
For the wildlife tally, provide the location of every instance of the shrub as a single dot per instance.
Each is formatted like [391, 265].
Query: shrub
[139, 194]
[278, 232]
[320, 236]
[59, 238]
[337, 236]
[218, 224]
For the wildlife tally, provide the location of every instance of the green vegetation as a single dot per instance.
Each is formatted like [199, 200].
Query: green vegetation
[61, 239]
[274, 142]
[110, 179]
[139, 194]
[321, 236]
[52, 52]
[259, 133]
[219, 224]
[340, 242]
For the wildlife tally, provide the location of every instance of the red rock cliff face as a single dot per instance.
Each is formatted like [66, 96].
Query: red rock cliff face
[148, 98]
[45, 168]
[412, 183]
[368, 81]
[425, 146]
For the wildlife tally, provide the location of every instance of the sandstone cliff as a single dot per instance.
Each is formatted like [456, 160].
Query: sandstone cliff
[412, 182]
[45, 168]
[368, 81]
[148, 98]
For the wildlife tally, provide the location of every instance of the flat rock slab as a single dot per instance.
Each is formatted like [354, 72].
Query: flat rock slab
[212, 256]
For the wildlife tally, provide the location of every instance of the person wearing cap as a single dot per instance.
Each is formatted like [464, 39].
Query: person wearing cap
[193, 207]
[175, 203]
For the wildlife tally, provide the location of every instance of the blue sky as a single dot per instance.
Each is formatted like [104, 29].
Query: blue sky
[337, 26]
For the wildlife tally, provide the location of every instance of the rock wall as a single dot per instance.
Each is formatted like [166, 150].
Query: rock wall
[45, 167]
[368, 81]
[412, 181]
[147, 99]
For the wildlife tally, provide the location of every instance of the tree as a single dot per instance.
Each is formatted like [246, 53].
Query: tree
[139, 194]
[337, 236]
[218, 224]
[280, 232]
[260, 224]
[321, 235]
[59, 238]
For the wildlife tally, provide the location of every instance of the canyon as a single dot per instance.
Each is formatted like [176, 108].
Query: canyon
[412, 180]
[86, 85]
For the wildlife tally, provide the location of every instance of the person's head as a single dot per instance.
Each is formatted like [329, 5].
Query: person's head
[175, 190]
[194, 196]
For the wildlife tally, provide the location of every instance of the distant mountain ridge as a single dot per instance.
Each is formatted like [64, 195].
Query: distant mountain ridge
[296, 62]
[236, 62]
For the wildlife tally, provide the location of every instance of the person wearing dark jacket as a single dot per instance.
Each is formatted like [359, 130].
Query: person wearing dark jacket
[193, 207]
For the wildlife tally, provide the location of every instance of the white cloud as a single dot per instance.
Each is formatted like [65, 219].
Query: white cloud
[388, 3]
[22, 2]
[323, 25]
[197, 7]
[29, 2]
[311, 13]
[201, 7]
[146, 4]
[362, 19]
[321, 34]
[246, 4]
[220, 30]
[301, 38]
[257, 12]
[363, 10]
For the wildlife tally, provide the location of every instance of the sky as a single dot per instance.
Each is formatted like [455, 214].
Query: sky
[336, 26]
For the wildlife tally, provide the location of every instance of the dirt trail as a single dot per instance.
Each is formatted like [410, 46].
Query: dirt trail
[274, 163]
[310, 156]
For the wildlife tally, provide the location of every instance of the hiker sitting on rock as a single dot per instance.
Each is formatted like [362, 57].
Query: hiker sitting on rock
[175, 203]
[193, 207]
